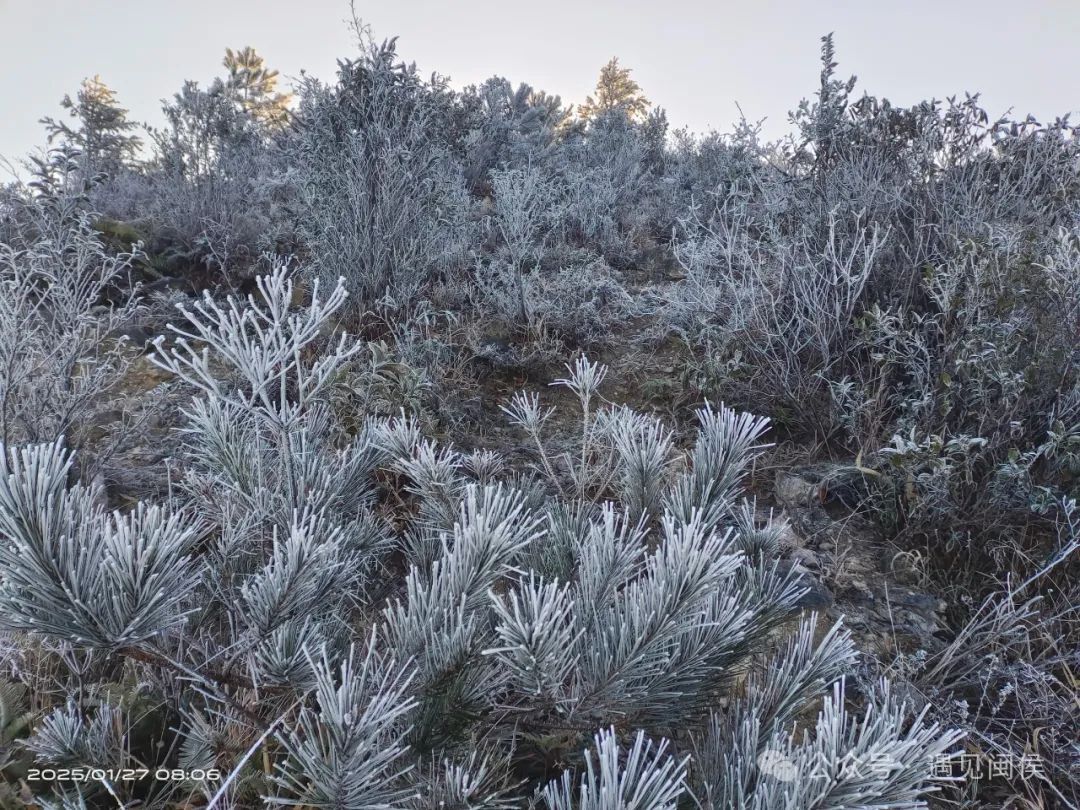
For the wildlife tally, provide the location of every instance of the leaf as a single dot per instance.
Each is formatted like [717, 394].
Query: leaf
[864, 470]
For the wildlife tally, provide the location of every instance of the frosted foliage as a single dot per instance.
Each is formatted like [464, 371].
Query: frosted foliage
[390, 556]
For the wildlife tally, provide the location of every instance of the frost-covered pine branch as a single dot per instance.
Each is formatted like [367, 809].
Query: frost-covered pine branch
[347, 749]
[444, 622]
[726, 445]
[536, 629]
[264, 344]
[647, 777]
[72, 572]
[749, 756]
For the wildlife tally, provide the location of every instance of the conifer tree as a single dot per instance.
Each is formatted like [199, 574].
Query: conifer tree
[615, 90]
[103, 132]
[254, 87]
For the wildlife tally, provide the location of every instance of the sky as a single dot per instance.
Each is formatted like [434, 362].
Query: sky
[698, 59]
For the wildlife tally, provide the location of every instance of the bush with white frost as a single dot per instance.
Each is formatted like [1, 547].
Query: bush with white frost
[263, 603]
[327, 603]
[380, 199]
[61, 351]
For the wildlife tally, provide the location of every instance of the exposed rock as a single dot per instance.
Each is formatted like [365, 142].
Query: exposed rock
[817, 596]
[806, 558]
[846, 485]
[848, 566]
[795, 491]
[857, 592]
[789, 539]
[920, 602]
[815, 496]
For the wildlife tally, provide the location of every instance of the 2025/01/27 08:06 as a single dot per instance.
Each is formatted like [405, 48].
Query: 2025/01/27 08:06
[122, 774]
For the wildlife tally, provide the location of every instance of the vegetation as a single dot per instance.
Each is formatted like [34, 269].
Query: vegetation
[387, 445]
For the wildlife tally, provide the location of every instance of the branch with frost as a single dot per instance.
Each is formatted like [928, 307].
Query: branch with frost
[646, 777]
[59, 362]
[264, 344]
[348, 749]
[72, 572]
[444, 621]
[727, 443]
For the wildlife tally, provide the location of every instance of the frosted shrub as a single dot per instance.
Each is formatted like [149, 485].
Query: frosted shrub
[509, 127]
[610, 184]
[250, 602]
[381, 201]
[581, 303]
[797, 247]
[61, 359]
[786, 306]
[523, 218]
[214, 187]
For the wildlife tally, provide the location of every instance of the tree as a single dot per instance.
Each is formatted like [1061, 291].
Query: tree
[213, 155]
[201, 126]
[615, 90]
[205, 124]
[254, 87]
[381, 200]
[509, 126]
[103, 132]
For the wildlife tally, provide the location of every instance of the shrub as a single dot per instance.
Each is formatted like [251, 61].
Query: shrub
[65, 298]
[259, 583]
[381, 201]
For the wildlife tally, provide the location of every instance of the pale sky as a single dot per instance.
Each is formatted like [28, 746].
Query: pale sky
[696, 58]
